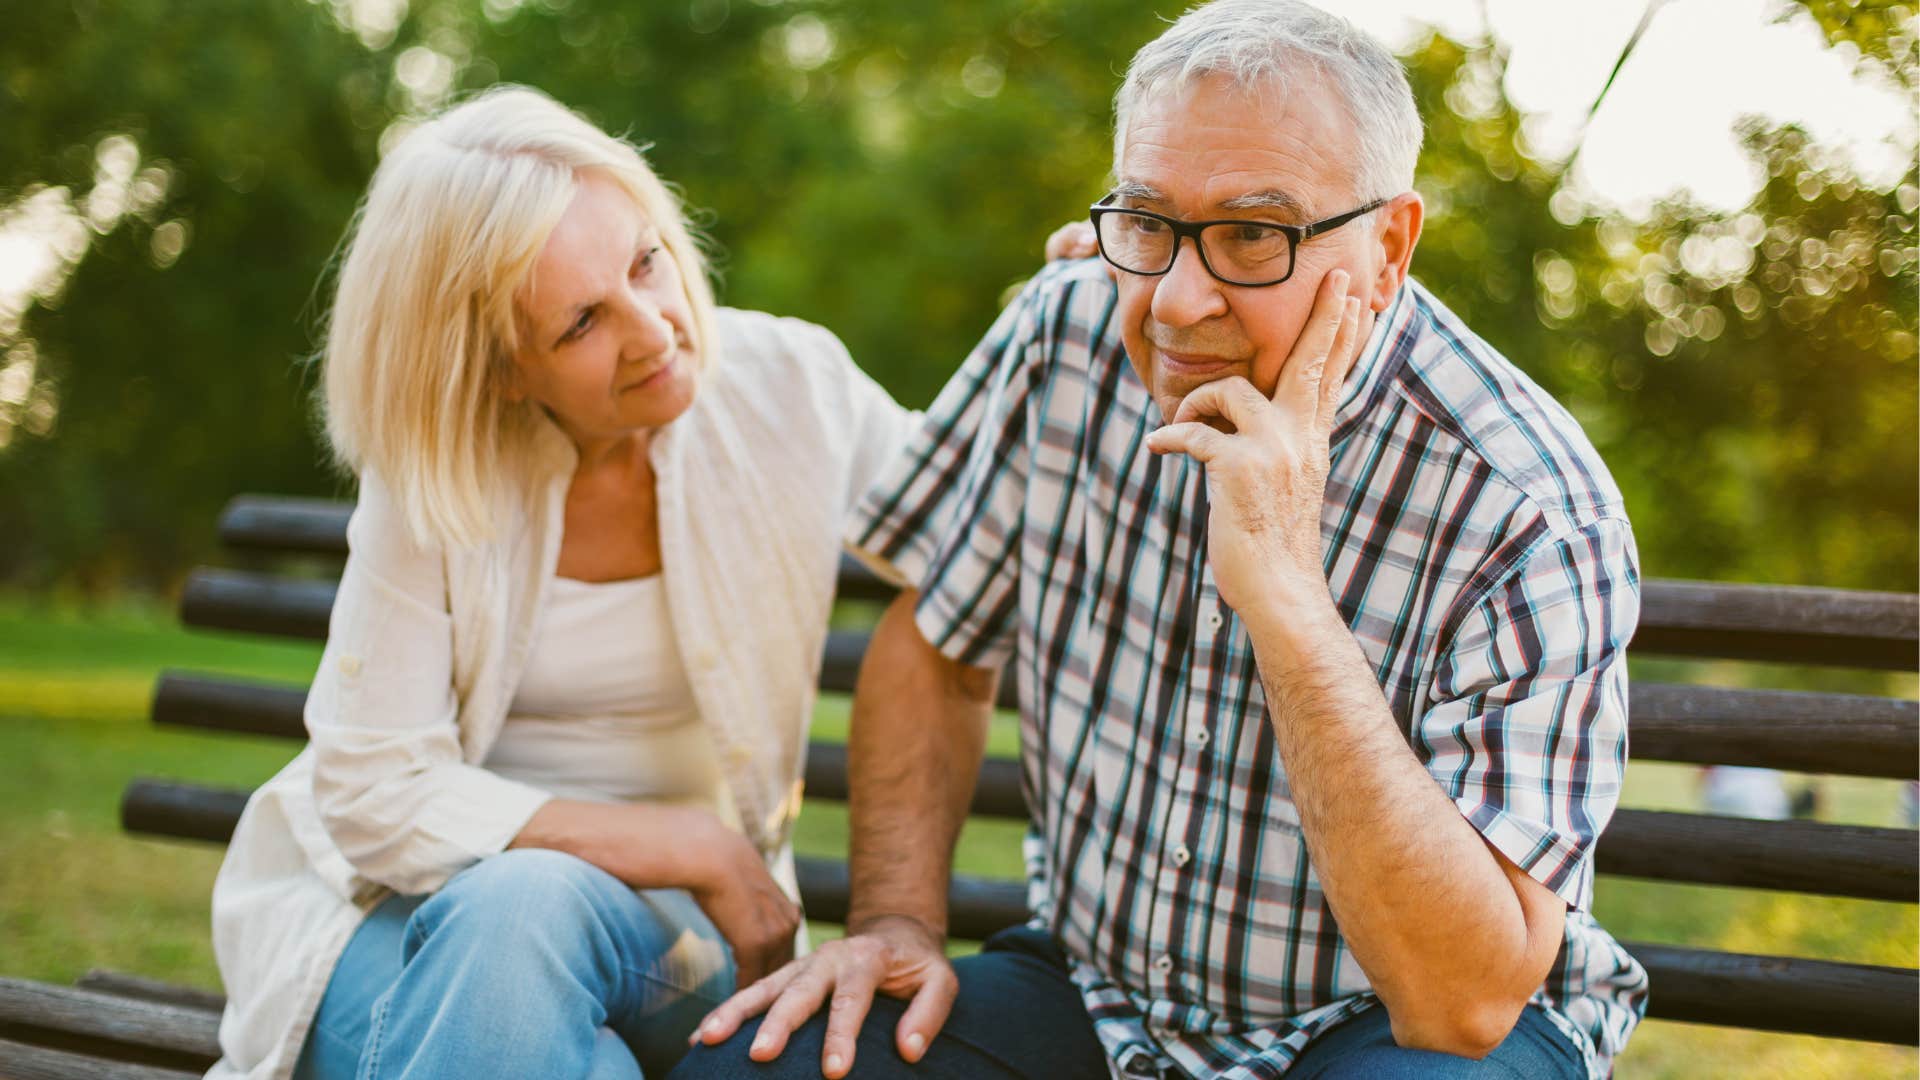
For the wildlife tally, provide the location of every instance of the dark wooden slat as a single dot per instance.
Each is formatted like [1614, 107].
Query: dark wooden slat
[1848, 734]
[121, 984]
[253, 603]
[23, 1061]
[181, 811]
[1781, 623]
[188, 1037]
[267, 524]
[285, 523]
[995, 794]
[976, 907]
[840, 667]
[1798, 856]
[221, 703]
[1779, 993]
[1794, 856]
[1789, 624]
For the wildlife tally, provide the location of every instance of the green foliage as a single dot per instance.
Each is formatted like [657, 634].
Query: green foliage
[1749, 377]
[890, 171]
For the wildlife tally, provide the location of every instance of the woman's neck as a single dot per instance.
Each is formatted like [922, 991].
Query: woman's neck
[611, 458]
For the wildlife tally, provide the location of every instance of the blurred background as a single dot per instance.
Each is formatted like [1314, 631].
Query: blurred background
[1693, 221]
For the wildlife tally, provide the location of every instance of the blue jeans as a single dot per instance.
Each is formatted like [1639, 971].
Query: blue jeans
[529, 963]
[1018, 1017]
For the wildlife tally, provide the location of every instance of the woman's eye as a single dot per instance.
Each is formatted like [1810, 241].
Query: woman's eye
[643, 264]
[580, 326]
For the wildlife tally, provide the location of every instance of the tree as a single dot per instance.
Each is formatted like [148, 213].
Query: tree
[889, 171]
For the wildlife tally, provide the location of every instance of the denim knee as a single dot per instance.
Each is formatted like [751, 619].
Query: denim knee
[524, 897]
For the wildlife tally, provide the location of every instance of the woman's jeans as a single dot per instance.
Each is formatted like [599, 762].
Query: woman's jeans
[529, 963]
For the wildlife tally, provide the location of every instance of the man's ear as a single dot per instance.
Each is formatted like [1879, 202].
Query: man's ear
[1399, 230]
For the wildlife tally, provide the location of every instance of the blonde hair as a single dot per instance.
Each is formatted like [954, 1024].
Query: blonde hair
[424, 321]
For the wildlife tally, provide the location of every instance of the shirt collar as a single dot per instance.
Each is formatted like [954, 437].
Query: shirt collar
[1371, 366]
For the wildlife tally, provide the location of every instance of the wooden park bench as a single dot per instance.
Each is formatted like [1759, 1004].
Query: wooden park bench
[112, 1025]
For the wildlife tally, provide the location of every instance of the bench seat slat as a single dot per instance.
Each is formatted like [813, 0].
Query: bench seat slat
[26, 1061]
[140, 988]
[74, 1018]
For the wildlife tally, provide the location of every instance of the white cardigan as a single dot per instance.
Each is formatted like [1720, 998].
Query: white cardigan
[425, 649]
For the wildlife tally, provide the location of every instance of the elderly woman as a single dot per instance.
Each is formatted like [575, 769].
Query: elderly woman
[543, 822]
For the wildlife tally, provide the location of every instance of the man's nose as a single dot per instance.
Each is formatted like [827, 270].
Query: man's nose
[1187, 294]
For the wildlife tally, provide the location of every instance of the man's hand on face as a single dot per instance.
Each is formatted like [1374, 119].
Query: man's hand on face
[1266, 458]
[893, 955]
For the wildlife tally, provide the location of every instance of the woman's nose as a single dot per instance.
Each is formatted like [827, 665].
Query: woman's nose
[649, 331]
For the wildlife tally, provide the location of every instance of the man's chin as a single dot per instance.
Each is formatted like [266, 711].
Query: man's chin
[1168, 393]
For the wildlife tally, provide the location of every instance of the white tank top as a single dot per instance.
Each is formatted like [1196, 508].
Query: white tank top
[604, 711]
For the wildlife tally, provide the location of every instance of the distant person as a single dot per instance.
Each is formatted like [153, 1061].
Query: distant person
[1742, 791]
[546, 814]
[1317, 609]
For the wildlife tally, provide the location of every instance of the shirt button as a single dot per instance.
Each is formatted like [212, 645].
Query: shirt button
[739, 755]
[1198, 736]
[1163, 964]
[1213, 620]
[349, 665]
[1181, 856]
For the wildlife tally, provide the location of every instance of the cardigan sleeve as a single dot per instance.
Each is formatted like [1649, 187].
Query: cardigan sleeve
[390, 783]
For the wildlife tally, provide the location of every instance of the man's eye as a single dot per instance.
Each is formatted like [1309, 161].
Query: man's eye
[1146, 224]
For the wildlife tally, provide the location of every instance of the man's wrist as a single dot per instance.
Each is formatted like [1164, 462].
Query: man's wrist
[880, 922]
[1291, 611]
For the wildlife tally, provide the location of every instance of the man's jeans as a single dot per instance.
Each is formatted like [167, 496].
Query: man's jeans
[1018, 1016]
[529, 963]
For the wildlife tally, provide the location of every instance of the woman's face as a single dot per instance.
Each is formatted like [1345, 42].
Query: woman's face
[608, 335]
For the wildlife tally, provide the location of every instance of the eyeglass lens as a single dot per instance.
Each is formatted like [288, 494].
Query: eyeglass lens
[1239, 253]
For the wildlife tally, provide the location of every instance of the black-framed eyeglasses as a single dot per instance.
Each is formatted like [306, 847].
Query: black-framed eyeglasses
[1235, 252]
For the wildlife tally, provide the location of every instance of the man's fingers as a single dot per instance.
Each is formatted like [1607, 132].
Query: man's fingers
[803, 998]
[1300, 379]
[852, 998]
[1194, 439]
[1346, 350]
[722, 1022]
[1233, 399]
[927, 1013]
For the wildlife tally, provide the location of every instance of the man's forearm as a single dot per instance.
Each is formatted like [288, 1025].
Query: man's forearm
[919, 728]
[1426, 906]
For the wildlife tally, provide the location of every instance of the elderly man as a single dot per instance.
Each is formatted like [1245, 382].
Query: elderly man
[1316, 607]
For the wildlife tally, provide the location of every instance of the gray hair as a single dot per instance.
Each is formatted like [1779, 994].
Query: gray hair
[1259, 45]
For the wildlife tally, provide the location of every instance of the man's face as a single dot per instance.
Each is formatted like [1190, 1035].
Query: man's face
[1208, 150]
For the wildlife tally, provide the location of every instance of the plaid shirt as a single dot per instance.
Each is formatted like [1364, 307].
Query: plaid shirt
[1476, 547]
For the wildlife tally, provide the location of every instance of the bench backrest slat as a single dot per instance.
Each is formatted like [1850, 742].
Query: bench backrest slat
[1791, 624]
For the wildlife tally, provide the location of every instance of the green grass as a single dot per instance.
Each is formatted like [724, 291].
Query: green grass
[77, 893]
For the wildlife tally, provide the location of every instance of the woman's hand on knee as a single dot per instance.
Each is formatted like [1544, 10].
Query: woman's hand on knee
[756, 917]
[896, 956]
